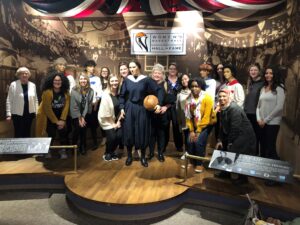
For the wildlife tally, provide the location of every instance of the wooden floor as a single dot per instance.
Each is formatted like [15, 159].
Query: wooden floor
[115, 183]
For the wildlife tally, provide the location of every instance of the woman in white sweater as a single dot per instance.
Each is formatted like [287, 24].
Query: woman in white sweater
[22, 103]
[237, 94]
[108, 117]
[269, 111]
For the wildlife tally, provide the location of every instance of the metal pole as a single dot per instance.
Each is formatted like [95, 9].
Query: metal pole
[188, 156]
[70, 147]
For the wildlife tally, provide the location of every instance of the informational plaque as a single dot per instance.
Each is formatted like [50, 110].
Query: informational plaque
[158, 42]
[24, 145]
[255, 166]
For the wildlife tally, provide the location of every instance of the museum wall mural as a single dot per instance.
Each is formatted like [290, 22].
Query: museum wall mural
[233, 36]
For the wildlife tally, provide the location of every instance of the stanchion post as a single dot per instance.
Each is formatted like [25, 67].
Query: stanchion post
[68, 146]
[75, 158]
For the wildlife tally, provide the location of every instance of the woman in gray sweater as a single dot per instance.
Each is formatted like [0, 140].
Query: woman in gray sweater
[269, 111]
[82, 99]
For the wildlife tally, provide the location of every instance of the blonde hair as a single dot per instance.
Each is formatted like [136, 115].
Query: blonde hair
[109, 78]
[23, 70]
[78, 87]
[160, 68]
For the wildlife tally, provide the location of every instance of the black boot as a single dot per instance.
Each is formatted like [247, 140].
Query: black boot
[82, 150]
[143, 158]
[129, 157]
[160, 156]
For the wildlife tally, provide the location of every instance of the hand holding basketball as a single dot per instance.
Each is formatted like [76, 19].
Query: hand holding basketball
[150, 102]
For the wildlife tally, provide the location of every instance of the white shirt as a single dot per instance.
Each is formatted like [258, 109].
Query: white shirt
[15, 99]
[95, 83]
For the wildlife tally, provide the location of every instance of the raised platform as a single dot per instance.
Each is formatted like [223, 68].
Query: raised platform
[113, 191]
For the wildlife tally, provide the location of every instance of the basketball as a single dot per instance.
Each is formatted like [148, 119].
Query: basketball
[150, 102]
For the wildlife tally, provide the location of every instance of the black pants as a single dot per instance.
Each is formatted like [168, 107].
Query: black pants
[113, 139]
[268, 141]
[62, 133]
[80, 132]
[186, 133]
[177, 136]
[93, 124]
[257, 130]
[158, 135]
[22, 125]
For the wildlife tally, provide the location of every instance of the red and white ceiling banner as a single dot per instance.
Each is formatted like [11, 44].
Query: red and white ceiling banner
[251, 4]
[83, 8]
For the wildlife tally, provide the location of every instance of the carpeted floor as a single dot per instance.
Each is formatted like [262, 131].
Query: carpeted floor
[34, 208]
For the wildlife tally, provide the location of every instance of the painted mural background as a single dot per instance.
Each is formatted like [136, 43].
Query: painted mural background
[28, 39]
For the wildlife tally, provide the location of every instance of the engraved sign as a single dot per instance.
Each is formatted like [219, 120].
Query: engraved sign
[255, 166]
[24, 145]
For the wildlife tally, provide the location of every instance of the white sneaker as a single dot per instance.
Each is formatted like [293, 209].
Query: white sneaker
[63, 154]
[199, 169]
[183, 157]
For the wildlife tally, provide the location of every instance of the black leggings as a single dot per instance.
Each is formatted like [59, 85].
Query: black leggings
[80, 132]
[113, 139]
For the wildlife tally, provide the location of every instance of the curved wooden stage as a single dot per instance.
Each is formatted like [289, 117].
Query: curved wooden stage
[112, 190]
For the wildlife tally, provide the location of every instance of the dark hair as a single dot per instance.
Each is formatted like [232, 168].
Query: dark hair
[180, 79]
[232, 69]
[217, 76]
[205, 66]
[201, 83]
[65, 85]
[277, 78]
[90, 63]
[123, 64]
[105, 67]
[136, 62]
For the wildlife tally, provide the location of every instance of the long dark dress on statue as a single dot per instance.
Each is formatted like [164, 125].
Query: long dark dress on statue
[137, 122]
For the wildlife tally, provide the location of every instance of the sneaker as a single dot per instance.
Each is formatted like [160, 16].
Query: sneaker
[114, 157]
[199, 169]
[107, 157]
[183, 157]
[63, 154]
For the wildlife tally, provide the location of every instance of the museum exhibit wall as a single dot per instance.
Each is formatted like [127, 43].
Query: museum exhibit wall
[239, 37]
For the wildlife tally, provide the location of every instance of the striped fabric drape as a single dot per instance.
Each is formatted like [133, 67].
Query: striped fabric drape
[83, 8]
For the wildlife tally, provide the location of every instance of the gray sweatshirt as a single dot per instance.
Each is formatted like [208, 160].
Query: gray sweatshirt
[270, 106]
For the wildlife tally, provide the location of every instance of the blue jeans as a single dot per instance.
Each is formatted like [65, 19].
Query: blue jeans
[198, 148]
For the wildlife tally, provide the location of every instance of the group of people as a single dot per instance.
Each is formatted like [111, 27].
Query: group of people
[213, 100]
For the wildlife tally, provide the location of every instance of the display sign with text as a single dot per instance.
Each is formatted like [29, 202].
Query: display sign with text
[24, 145]
[255, 166]
[158, 42]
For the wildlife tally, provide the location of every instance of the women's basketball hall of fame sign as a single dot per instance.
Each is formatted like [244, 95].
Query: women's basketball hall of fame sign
[158, 42]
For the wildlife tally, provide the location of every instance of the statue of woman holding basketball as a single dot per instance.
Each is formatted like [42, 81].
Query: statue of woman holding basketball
[137, 120]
